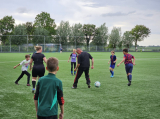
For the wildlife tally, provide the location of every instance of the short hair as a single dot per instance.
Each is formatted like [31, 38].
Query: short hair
[125, 50]
[112, 51]
[26, 56]
[78, 49]
[52, 64]
[38, 48]
[74, 50]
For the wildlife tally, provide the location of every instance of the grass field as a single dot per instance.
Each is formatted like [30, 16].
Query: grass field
[113, 100]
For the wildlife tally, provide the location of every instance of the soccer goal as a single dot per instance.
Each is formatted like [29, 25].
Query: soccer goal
[51, 47]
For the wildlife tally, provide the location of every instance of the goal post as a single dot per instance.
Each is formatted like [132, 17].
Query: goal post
[51, 47]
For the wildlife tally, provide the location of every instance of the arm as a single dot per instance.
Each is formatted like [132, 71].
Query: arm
[62, 112]
[92, 67]
[109, 61]
[76, 67]
[31, 64]
[36, 98]
[16, 66]
[45, 60]
[69, 58]
[115, 61]
[121, 62]
[134, 59]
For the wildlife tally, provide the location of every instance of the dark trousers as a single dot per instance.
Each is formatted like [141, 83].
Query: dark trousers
[79, 73]
[51, 117]
[28, 76]
[73, 63]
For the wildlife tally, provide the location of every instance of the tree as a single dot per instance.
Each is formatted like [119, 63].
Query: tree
[89, 31]
[101, 35]
[63, 32]
[30, 30]
[40, 35]
[115, 36]
[140, 32]
[19, 30]
[77, 35]
[127, 39]
[44, 20]
[6, 28]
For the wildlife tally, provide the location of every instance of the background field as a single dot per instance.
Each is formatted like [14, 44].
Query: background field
[113, 100]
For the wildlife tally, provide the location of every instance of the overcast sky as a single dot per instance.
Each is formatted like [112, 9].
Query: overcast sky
[120, 13]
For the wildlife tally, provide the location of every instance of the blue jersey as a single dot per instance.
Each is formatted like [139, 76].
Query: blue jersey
[113, 58]
[73, 57]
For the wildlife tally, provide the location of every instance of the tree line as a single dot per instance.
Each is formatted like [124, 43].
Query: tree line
[44, 28]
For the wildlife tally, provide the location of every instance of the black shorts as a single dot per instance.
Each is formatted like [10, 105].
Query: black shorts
[51, 117]
[38, 71]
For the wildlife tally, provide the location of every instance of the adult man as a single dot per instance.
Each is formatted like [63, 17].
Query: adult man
[83, 66]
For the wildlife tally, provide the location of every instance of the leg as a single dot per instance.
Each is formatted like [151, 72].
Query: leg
[87, 77]
[130, 74]
[79, 73]
[72, 68]
[113, 66]
[28, 78]
[19, 77]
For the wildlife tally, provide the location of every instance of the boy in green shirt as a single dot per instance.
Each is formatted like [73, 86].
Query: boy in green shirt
[49, 93]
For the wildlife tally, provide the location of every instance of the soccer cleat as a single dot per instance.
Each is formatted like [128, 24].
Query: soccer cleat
[89, 86]
[16, 83]
[33, 90]
[73, 87]
[129, 83]
[112, 76]
[28, 85]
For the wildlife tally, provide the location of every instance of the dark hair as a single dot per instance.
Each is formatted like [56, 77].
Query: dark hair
[125, 50]
[52, 64]
[26, 56]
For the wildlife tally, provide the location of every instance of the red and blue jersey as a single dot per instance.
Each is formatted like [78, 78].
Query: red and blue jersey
[128, 59]
[113, 58]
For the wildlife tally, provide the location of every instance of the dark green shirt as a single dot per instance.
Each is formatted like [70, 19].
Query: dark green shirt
[49, 93]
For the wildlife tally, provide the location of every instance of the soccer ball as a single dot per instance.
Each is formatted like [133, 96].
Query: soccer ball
[97, 84]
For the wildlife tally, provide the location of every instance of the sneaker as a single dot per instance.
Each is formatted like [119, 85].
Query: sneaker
[89, 86]
[129, 83]
[72, 74]
[112, 76]
[73, 87]
[33, 90]
[75, 74]
[16, 83]
[28, 85]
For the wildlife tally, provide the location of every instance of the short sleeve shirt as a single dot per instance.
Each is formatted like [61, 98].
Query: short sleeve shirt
[83, 59]
[38, 58]
[25, 64]
[128, 59]
[73, 57]
[113, 58]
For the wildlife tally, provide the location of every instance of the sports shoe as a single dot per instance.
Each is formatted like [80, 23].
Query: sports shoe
[129, 83]
[89, 86]
[28, 85]
[72, 74]
[16, 83]
[112, 76]
[73, 87]
[33, 90]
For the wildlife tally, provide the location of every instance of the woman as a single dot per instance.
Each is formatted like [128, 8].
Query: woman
[38, 67]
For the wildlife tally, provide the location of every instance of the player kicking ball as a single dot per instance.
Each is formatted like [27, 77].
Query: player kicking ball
[127, 59]
[113, 60]
[73, 61]
[24, 64]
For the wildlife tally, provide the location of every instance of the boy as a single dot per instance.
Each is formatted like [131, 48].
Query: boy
[24, 64]
[73, 61]
[127, 59]
[113, 60]
[49, 93]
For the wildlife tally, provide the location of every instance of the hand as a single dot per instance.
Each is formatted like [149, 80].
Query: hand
[108, 62]
[118, 65]
[30, 69]
[14, 67]
[114, 61]
[75, 69]
[134, 64]
[68, 60]
[92, 67]
[60, 116]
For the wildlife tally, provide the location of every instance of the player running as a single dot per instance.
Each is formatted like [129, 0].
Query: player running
[83, 66]
[113, 60]
[38, 67]
[73, 61]
[24, 64]
[127, 59]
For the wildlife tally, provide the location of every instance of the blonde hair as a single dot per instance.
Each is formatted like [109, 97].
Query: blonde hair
[74, 50]
[38, 48]
[52, 64]
[112, 51]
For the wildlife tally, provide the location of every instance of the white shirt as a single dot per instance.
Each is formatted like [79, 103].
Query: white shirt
[25, 64]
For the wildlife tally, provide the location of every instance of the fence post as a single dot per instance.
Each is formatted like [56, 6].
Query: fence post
[19, 48]
[44, 44]
[10, 44]
[96, 48]
[1, 48]
[27, 43]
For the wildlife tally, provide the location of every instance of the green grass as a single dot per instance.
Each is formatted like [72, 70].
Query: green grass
[113, 100]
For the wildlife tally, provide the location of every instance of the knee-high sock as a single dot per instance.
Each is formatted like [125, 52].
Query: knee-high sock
[111, 72]
[130, 77]
[33, 83]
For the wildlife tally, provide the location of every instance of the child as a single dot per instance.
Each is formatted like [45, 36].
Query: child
[127, 59]
[73, 61]
[113, 60]
[24, 64]
[49, 93]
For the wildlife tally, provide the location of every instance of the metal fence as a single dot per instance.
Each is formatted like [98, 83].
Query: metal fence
[26, 43]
